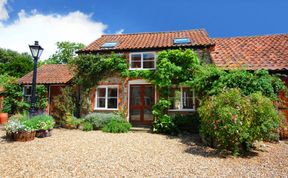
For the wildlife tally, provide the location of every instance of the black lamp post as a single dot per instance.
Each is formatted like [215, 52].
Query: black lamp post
[36, 51]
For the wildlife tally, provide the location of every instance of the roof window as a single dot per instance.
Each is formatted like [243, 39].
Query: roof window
[181, 41]
[109, 45]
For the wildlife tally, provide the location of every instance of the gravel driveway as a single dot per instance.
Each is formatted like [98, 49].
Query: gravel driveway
[74, 153]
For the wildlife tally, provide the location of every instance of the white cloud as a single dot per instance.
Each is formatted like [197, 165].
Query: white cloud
[3, 10]
[119, 31]
[49, 29]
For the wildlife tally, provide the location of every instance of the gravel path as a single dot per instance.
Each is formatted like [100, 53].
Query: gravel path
[74, 153]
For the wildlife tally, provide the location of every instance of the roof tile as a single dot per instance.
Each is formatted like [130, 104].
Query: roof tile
[259, 52]
[149, 40]
[49, 74]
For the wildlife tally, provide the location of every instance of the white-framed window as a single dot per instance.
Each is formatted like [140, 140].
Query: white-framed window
[182, 99]
[27, 92]
[106, 97]
[142, 60]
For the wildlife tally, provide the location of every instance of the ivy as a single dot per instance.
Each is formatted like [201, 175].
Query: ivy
[209, 80]
[90, 69]
[174, 68]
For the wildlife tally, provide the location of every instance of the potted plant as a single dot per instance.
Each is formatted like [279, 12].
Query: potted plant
[45, 124]
[71, 122]
[3, 115]
[20, 131]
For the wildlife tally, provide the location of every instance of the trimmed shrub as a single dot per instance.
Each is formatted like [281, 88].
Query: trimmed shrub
[98, 120]
[87, 126]
[116, 126]
[233, 122]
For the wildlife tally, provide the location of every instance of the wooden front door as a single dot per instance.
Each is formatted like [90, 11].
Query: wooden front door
[141, 102]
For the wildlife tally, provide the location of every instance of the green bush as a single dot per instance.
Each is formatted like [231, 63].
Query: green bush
[64, 104]
[116, 126]
[87, 126]
[190, 123]
[98, 120]
[71, 121]
[22, 122]
[209, 80]
[30, 124]
[44, 122]
[164, 124]
[233, 122]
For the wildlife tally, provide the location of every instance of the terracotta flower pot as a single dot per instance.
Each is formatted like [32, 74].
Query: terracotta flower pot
[24, 136]
[3, 118]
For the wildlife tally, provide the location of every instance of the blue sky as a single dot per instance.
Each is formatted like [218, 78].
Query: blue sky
[221, 18]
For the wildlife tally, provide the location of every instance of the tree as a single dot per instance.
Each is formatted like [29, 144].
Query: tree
[15, 64]
[66, 51]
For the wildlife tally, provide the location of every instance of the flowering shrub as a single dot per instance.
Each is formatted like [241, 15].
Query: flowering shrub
[233, 122]
[14, 126]
[20, 122]
[98, 120]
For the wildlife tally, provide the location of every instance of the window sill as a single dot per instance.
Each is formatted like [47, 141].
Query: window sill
[181, 110]
[105, 109]
[142, 68]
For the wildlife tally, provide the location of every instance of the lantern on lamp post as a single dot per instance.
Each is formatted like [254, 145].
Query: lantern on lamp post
[36, 51]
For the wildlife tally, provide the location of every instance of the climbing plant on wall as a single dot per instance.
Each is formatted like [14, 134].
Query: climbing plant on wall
[174, 68]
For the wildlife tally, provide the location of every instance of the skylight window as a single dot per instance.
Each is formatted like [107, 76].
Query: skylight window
[181, 41]
[109, 45]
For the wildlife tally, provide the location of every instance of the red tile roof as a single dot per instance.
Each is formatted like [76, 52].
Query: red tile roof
[49, 74]
[149, 40]
[252, 53]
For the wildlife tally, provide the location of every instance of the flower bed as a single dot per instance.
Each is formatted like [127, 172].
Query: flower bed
[22, 128]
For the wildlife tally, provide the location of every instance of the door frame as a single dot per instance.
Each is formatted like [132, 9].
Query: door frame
[138, 82]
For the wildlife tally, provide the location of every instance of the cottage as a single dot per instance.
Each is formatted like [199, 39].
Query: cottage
[53, 76]
[137, 96]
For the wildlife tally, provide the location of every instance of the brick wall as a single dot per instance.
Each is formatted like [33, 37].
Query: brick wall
[122, 83]
[284, 106]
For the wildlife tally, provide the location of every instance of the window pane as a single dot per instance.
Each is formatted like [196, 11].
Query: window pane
[101, 92]
[135, 64]
[100, 102]
[187, 92]
[175, 98]
[148, 64]
[148, 116]
[112, 92]
[135, 60]
[148, 96]
[136, 57]
[135, 114]
[148, 57]
[188, 103]
[135, 95]
[112, 103]
[27, 90]
[187, 98]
